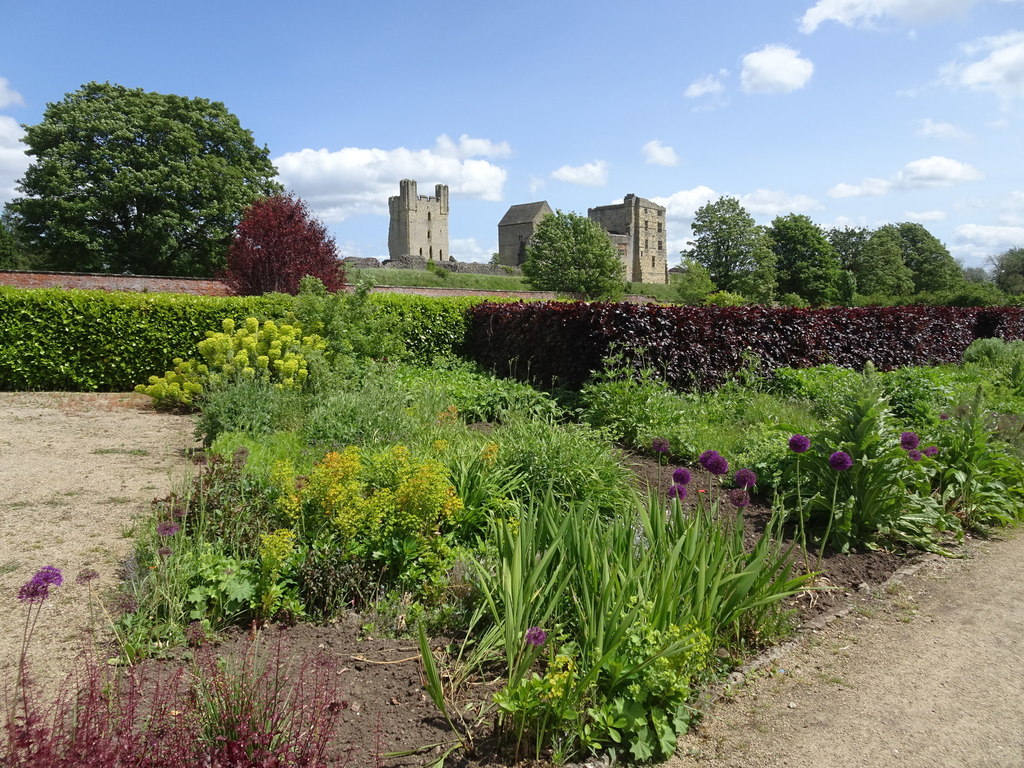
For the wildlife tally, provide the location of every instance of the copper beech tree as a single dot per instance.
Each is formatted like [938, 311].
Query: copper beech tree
[276, 244]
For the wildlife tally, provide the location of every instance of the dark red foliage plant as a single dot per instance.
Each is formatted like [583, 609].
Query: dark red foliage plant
[277, 243]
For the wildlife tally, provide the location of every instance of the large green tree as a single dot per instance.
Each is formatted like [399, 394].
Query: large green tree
[933, 267]
[127, 180]
[693, 284]
[805, 262]
[878, 266]
[1008, 271]
[734, 249]
[10, 253]
[570, 253]
[848, 243]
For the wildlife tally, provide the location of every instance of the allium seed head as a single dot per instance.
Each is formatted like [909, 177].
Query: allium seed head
[745, 478]
[536, 636]
[931, 451]
[87, 575]
[659, 445]
[739, 497]
[840, 461]
[909, 440]
[681, 475]
[914, 455]
[167, 528]
[799, 443]
[33, 591]
[677, 491]
[50, 576]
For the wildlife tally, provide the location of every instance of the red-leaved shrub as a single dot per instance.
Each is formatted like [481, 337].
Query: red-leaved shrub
[276, 244]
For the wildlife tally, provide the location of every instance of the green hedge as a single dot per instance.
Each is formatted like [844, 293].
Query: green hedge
[83, 341]
[430, 325]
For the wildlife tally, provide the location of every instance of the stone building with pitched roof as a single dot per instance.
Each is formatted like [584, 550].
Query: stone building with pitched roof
[515, 230]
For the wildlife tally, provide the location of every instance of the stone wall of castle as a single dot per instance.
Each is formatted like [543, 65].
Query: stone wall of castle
[637, 229]
[419, 224]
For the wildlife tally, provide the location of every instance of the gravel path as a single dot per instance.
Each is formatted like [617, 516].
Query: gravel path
[75, 470]
[926, 674]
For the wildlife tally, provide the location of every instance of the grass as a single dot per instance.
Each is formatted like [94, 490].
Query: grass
[122, 451]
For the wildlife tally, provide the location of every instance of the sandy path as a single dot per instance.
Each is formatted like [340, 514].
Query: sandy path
[75, 469]
[926, 675]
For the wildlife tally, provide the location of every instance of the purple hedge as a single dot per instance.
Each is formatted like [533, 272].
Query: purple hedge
[562, 343]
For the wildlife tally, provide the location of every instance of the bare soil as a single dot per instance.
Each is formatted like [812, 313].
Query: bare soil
[920, 674]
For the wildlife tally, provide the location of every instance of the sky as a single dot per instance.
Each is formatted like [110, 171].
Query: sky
[852, 112]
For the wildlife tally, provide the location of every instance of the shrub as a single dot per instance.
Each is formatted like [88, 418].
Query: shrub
[276, 244]
[270, 353]
[247, 405]
[96, 341]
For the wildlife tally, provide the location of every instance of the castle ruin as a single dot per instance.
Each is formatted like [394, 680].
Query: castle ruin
[515, 230]
[419, 224]
[636, 228]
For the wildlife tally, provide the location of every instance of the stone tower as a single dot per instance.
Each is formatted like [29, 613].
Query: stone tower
[515, 230]
[419, 224]
[637, 229]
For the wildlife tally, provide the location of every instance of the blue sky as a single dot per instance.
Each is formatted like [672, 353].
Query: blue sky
[854, 112]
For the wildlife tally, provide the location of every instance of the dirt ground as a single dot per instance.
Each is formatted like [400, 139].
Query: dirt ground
[924, 672]
[75, 469]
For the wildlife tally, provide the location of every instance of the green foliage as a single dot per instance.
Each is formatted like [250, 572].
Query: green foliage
[11, 256]
[806, 264]
[825, 387]
[570, 253]
[248, 405]
[631, 607]
[931, 265]
[1008, 271]
[726, 299]
[994, 352]
[429, 327]
[884, 497]
[270, 353]
[693, 285]
[167, 178]
[570, 460]
[879, 266]
[430, 279]
[85, 341]
[734, 250]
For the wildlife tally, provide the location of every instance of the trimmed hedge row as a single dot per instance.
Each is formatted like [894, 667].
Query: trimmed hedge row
[562, 343]
[71, 340]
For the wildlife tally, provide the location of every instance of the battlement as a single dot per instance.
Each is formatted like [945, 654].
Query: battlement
[419, 223]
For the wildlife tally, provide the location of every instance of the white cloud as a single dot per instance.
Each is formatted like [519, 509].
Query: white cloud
[865, 13]
[8, 95]
[536, 184]
[920, 216]
[775, 202]
[656, 153]
[926, 173]
[994, 238]
[593, 174]
[775, 69]
[353, 180]
[934, 129]
[469, 249]
[709, 85]
[682, 205]
[1000, 71]
[13, 160]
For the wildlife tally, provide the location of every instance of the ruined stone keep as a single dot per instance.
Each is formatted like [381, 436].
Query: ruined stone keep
[419, 224]
[637, 229]
[515, 230]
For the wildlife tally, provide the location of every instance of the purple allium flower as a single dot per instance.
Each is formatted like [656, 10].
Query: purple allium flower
[659, 445]
[165, 551]
[33, 591]
[536, 636]
[840, 461]
[167, 528]
[931, 450]
[909, 440]
[739, 497]
[944, 416]
[799, 443]
[714, 462]
[681, 475]
[125, 603]
[745, 478]
[50, 576]
[87, 575]
[914, 454]
[677, 491]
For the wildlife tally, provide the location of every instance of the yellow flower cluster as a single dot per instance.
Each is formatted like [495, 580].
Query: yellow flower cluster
[271, 353]
[489, 453]
[276, 547]
[559, 678]
[389, 493]
[282, 479]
